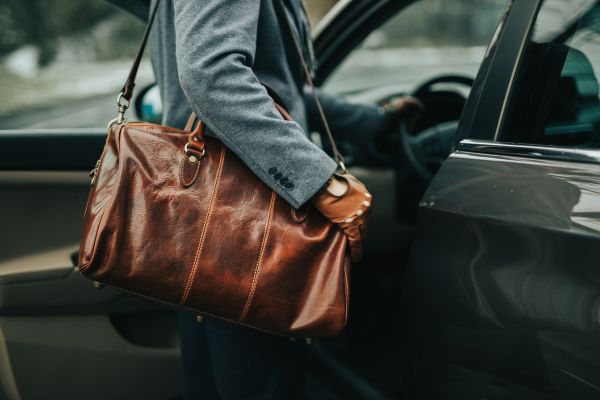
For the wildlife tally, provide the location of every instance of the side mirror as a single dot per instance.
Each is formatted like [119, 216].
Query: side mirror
[148, 105]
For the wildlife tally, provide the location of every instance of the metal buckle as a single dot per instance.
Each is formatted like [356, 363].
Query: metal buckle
[192, 157]
[122, 106]
[186, 150]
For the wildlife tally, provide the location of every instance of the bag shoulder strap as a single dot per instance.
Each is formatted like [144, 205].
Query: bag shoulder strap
[127, 89]
[336, 153]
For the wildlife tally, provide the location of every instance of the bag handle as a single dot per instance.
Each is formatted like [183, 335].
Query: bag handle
[124, 98]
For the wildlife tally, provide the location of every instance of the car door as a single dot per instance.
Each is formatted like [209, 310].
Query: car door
[373, 54]
[503, 285]
[61, 63]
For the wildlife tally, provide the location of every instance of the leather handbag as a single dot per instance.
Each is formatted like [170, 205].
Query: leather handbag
[176, 217]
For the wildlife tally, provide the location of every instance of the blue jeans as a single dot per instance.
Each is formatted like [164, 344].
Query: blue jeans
[223, 361]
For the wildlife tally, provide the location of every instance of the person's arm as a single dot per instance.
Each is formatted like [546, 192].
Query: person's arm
[215, 48]
[355, 122]
[359, 123]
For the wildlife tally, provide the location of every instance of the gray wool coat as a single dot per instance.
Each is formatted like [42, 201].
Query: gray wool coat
[210, 56]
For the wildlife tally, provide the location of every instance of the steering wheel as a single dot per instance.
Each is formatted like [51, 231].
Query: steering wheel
[423, 153]
[427, 86]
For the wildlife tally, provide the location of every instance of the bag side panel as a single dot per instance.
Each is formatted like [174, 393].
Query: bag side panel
[232, 247]
[302, 287]
[146, 242]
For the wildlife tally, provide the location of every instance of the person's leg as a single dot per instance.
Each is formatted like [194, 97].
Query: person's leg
[248, 364]
[198, 380]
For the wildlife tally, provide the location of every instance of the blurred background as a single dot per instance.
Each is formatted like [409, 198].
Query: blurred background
[62, 62]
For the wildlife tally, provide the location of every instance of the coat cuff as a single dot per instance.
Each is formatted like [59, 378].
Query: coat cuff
[316, 175]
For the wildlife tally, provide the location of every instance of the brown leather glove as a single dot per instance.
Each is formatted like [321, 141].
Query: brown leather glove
[349, 209]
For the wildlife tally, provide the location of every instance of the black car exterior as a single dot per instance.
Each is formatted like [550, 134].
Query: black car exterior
[503, 282]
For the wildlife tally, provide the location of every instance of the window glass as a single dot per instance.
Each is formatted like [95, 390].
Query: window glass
[62, 62]
[426, 39]
[555, 98]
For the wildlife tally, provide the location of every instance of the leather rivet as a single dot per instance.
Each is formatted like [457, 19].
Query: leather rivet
[308, 340]
[368, 195]
[192, 159]
[98, 285]
[348, 220]
[199, 319]
[359, 212]
[366, 203]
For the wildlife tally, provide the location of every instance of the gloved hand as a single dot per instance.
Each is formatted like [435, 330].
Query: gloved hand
[399, 108]
[346, 202]
[407, 108]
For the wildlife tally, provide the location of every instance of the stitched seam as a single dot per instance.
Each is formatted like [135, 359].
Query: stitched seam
[211, 205]
[260, 258]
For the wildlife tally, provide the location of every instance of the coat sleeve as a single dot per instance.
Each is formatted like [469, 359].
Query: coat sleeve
[355, 122]
[215, 49]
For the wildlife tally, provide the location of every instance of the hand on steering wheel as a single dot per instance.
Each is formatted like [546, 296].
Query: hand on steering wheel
[405, 109]
[399, 108]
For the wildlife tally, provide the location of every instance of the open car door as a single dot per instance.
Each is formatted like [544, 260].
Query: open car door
[503, 281]
[61, 338]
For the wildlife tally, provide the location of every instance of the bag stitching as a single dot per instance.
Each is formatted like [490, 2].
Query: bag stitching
[258, 266]
[200, 246]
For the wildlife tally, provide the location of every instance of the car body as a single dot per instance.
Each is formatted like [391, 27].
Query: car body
[479, 279]
[503, 279]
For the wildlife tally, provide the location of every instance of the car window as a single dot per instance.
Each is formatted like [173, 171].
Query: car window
[62, 62]
[426, 39]
[555, 99]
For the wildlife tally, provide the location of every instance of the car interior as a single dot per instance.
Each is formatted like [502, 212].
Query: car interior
[558, 104]
[57, 330]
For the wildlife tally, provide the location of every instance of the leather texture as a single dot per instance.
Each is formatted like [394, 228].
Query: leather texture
[210, 236]
[349, 210]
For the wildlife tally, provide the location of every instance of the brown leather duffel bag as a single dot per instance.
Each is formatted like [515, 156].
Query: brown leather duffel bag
[175, 216]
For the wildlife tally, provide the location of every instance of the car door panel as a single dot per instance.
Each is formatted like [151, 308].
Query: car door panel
[61, 337]
[50, 149]
[533, 238]
[504, 268]
[503, 283]
[84, 357]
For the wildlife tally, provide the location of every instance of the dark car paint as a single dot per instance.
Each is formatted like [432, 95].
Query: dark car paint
[481, 115]
[503, 285]
[506, 283]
